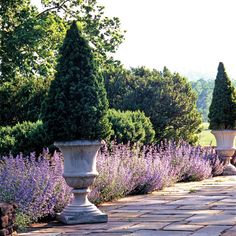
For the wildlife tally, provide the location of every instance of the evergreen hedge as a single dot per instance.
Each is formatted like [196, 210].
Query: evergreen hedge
[131, 126]
[23, 137]
[76, 105]
[222, 113]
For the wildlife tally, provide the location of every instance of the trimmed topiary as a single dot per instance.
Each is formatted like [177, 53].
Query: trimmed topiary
[76, 106]
[222, 114]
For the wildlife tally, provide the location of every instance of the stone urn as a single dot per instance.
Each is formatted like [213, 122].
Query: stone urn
[225, 148]
[80, 173]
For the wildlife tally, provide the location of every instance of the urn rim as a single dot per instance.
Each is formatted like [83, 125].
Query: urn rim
[223, 130]
[79, 142]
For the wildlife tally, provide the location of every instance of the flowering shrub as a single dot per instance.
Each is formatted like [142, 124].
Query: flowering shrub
[37, 185]
[216, 164]
[125, 169]
[186, 161]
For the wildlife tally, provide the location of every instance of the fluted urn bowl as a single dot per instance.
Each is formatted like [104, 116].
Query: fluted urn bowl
[225, 148]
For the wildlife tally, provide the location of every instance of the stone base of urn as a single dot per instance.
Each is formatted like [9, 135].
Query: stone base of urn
[83, 218]
[229, 170]
[79, 173]
[225, 148]
[81, 210]
[226, 156]
[233, 160]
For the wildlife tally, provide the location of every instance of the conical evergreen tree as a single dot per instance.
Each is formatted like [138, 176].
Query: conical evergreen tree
[76, 106]
[222, 114]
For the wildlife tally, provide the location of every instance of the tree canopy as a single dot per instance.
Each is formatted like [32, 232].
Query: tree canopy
[204, 90]
[30, 42]
[167, 98]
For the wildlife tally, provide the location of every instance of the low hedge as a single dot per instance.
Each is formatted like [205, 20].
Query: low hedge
[23, 137]
[130, 126]
[26, 137]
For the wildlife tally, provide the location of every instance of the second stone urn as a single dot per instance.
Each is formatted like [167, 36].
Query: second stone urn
[225, 148]
[80, 173]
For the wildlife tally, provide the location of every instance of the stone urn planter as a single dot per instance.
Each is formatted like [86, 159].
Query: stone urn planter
[76, 109]
[225, 148]
[80, 173]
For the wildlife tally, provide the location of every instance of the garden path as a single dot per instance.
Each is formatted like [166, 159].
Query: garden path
[206, 208]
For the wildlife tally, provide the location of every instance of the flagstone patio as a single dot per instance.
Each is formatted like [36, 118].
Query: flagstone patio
[206, 208]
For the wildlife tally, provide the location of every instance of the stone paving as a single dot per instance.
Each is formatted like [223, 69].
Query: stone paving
[205, 208]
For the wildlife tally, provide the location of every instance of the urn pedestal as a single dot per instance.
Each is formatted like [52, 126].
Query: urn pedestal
[225, 148]
[80, 173]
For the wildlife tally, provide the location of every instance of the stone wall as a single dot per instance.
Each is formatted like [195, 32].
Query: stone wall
[7, 219]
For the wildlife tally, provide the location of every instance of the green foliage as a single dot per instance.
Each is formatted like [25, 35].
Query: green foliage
[206, 138]
[76, 106]
[30, 42]
[103, 32]
[119, 83]
[222, 114]
[165, 97]
[25, 137]
[21, 100]
[30, 36]
[203, 89]
[22, 221]
[131, 126]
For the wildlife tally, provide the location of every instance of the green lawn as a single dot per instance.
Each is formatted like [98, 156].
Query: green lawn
[206, 138]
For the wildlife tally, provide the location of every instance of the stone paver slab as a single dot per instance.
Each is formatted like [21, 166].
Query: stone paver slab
[160, 233]
[160, 218]
[185, 212]
[39, 234]
[124, 214]
[106, 234]
[229, 200]
[211, 230]
[149, 207]
[182, 226]
[149, 226]
[224, 207]
[151, 219]
[220, 219]
[195, 207]
[230, 212]
[230, 232]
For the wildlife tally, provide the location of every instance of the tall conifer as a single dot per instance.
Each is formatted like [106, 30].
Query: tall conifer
[76, 106]
[222, 114]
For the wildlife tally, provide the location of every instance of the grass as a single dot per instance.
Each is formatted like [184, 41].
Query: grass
[206, 138]
[192, 190]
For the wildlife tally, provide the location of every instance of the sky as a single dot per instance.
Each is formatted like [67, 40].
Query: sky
[188, 36]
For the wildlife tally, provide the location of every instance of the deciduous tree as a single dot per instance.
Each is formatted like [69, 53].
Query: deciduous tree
[30, 41]
[167, 98]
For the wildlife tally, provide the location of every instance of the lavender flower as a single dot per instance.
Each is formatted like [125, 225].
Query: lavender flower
[37, 186]
[126, 169]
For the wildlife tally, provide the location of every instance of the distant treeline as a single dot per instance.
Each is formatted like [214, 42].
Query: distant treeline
[204, 89]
